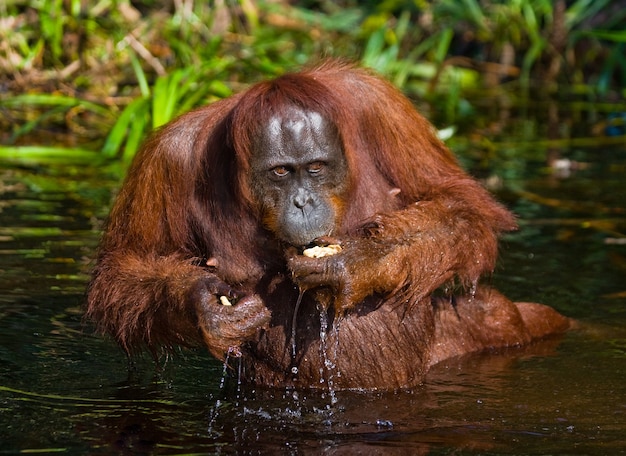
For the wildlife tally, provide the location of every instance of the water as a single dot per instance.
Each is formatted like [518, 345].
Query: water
[62, 389]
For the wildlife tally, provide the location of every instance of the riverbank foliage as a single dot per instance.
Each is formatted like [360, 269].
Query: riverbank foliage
[100, 74]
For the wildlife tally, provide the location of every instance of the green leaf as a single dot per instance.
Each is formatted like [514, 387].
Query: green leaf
[137, 109]
[46, 154]
[52, 100]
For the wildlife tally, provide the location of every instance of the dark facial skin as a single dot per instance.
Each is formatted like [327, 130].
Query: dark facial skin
[298, 171]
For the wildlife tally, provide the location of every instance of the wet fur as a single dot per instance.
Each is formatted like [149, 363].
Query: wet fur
[422, 224]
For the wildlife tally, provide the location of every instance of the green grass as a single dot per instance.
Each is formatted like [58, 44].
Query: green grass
[106, 73]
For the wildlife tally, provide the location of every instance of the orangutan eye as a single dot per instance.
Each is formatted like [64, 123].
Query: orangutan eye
[316, 167]
[280, 171]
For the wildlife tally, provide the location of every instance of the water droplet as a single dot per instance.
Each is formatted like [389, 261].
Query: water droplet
[384, 423]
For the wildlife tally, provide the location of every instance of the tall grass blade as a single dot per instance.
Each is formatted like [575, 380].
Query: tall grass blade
[43, 99]
[135, 111]
[46, 154]
[140, 75]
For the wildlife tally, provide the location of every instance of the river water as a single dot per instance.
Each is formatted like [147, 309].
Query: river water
[63, 389]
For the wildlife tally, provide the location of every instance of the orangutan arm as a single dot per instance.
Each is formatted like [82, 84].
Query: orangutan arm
[416, 249]
[161, 301]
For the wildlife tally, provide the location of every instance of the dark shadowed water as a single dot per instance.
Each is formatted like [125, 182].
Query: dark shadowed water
[62, 389]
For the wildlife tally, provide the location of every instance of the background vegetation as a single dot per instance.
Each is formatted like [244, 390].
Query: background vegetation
[79, 77]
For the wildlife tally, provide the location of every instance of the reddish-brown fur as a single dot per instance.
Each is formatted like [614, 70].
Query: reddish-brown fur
[187, 199]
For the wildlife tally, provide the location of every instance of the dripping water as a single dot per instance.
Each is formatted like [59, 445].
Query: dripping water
[214, 412]
[335, 332]
[328, 367]
[473, 288]
[294, 318]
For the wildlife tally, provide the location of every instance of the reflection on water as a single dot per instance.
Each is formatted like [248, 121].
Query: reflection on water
[62, 389]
